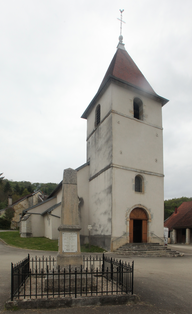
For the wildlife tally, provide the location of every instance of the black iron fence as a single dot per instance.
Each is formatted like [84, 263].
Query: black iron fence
[19, 275]
[39, 278]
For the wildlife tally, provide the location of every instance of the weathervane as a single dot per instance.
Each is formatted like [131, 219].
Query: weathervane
[121, 21]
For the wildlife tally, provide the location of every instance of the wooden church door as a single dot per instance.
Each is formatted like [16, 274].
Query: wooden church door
[138, 226]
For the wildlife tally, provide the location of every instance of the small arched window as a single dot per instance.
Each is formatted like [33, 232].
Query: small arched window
[138, 108]
[97, 115]
[139, 184]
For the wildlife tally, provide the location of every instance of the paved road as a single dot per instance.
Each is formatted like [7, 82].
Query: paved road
[164, 285]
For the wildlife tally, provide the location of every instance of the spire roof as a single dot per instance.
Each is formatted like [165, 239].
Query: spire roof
[123, 69]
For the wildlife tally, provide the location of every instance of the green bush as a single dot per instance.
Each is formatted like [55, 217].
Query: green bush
[4, 223]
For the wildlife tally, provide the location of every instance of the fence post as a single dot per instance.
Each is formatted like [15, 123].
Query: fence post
[75, 282]
[12, 281]
[111, 269]
[103, 266]
[132, 275]
[28, 263]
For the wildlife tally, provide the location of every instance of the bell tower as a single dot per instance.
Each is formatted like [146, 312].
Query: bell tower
[125, 156]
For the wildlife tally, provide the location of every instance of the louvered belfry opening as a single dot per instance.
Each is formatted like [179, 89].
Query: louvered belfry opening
[98, 115]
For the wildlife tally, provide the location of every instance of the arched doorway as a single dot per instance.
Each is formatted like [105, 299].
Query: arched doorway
[138, 226]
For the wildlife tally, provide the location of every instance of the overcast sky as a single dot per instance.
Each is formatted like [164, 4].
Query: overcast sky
[53, 56]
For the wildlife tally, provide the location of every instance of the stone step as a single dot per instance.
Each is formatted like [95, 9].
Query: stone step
[146, 249]
[142, 249]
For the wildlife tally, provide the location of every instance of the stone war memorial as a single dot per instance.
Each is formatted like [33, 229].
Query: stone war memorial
[69, 230]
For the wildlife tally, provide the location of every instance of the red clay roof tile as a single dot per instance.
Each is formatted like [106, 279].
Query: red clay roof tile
[183, 218]
[124, 68]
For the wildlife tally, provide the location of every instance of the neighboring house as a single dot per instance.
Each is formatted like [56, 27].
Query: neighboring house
[180, 224]
[43, 220]
[21, 204]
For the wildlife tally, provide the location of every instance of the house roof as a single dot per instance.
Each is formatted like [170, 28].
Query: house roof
[181, 219]
[40, 204]
[22, 199]
[124, 70]
[49, 210]
[56, 190]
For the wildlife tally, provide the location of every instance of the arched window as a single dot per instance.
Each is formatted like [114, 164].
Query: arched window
[138, 108]
[97, 115]
[139, 184]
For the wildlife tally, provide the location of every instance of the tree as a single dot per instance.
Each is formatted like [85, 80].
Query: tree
[9, 213]
[17, 189]
[169, 205]
[1, 178]
[7, 187]
[25, 192]
[30, 189]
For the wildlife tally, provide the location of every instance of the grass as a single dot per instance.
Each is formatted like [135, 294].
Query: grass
[13, 238]
[92, 248]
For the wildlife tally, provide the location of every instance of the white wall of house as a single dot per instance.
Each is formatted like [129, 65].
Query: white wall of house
[37, 223]
[25, 227]
[59, 196]
[47, 226]
[56, 222]
[52, 223]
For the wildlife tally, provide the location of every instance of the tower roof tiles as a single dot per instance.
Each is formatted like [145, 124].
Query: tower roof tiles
[123, 69]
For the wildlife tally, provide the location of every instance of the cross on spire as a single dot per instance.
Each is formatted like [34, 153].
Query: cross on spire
[121, 21]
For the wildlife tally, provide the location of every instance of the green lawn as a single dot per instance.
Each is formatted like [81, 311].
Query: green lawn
[13, 238]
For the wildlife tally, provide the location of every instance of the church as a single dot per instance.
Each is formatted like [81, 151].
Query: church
[121, 186]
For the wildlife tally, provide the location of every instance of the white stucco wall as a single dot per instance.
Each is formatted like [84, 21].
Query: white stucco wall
[123, 103]
[47, 226]
[125, 199]
[100, 200]
[83, 194]
[25, 227]
[130, 147]
[59, 196]
[99, 147]
[37, 225]
[137, 144]
[56, 222]
[52, 223]
[105, 101]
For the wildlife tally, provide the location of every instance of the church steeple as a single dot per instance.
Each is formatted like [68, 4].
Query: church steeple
[123, 70]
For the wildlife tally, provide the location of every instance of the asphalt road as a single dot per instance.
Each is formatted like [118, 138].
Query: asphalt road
[164, 285]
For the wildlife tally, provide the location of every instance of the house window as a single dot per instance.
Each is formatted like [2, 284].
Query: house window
[138, 108]
[139, 184]
[97, 115]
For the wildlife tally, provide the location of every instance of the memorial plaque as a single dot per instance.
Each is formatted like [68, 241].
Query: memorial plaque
[69, 242]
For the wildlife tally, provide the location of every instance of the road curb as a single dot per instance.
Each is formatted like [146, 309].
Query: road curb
[71, 302]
